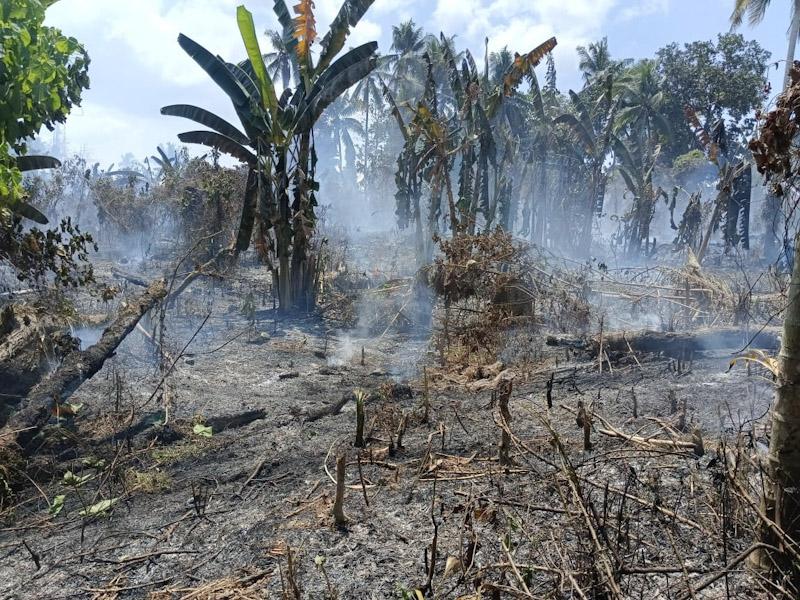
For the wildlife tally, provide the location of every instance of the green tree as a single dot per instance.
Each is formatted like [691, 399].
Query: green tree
[339, 125]
[723, 79]
[594, 59]
[405, 63]
[279, 61]
[42, 76]
[367, 96]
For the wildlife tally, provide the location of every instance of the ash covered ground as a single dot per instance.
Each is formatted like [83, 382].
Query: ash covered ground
[217, 469]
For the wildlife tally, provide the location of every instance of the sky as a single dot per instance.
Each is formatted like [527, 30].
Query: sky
[137, 66]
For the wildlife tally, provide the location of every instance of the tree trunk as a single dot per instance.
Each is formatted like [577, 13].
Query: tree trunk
[366, 139]
[77, 367]
[281, 221]
[794, 30]
[302, 263]
[29, 343]
[781, 502]
[678, 344]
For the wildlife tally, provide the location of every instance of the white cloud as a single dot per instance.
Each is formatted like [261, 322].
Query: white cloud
[138, 65]
[644, 8]
[104, 133]
[148, 30]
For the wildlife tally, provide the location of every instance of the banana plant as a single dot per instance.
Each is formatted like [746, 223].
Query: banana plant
[731, 207]
[593, 132]
[466, 130]
[636, 165]
[275, 140]
[488, 117]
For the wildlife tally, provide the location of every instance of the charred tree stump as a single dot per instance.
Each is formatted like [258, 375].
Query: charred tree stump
[338, 504]
[503, 396]
[77, 367]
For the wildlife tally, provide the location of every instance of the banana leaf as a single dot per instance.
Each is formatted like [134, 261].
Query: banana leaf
[247, 29]
[221, 142]
[349, 15]
[216, 68]
[33, 162]
[26, 210]
[579, 130]
[248, 219]
[335, 86]
[209, 119]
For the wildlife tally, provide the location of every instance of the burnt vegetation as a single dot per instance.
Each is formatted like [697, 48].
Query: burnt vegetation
[421, 324]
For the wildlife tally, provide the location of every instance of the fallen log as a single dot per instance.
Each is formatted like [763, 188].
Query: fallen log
[134, 279]
[329, 410]
[77, 367]
[680, 345]
[29, 344]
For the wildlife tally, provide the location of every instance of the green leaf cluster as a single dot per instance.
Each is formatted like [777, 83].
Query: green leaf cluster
[42, 75]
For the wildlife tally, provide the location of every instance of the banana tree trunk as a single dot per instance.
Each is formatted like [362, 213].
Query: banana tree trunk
[541, 209]
[283, 232]
[302, 263]
[781, 502]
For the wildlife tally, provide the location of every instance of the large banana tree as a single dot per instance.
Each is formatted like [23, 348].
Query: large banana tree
[593, 130]
[276, 140]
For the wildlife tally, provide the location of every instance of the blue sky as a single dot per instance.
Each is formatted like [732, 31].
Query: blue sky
[137, 66]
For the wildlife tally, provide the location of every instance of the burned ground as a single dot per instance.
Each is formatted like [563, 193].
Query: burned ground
[246, 511]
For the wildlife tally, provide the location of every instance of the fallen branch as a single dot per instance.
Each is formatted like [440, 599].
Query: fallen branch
[679, 344]
[77, 367]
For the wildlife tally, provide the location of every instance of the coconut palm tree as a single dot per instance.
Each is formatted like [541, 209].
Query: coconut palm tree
[755, 10]
[339, 125]
[405, 62]
[594, 59]
[366, 95]
[499, 63]
[591, 126]
[438, 49]
[642, 99]
[279, 61]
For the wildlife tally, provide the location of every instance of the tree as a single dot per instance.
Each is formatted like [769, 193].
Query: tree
[367, 95]
[594, 59]
[591, 126]
[280, 59]
[277, 142]
[755, 11]
[339, 125]
[42, 76]
[435, 140]
[405, 62]
[775, 155]
[723, 79]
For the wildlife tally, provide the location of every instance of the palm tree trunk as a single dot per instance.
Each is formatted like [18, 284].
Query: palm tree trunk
[794, 30]
[781, 502]
[366, 138]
